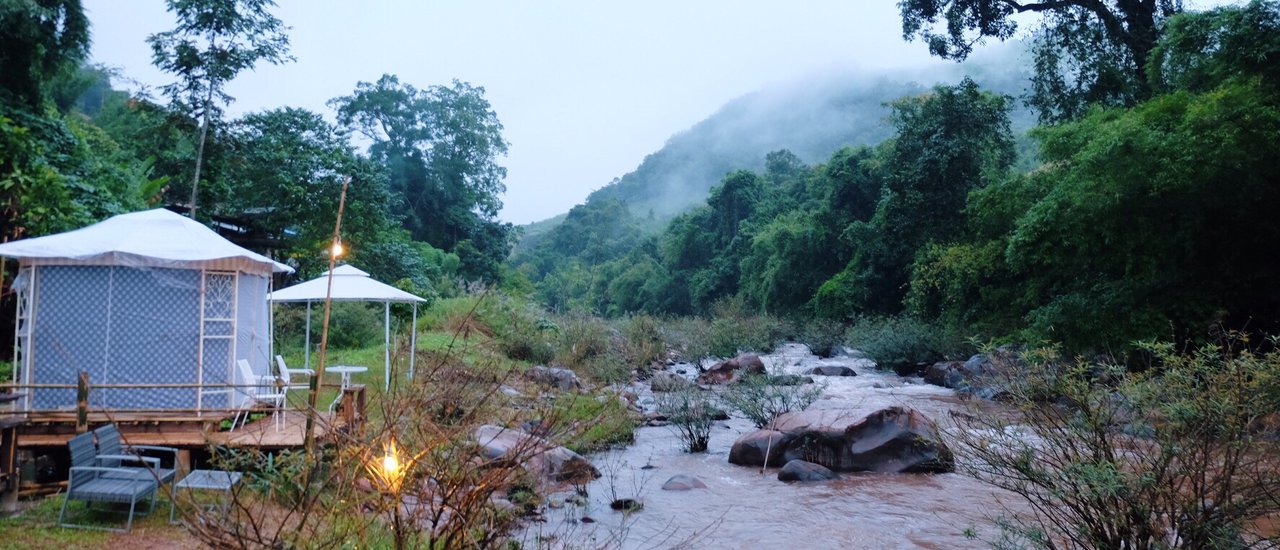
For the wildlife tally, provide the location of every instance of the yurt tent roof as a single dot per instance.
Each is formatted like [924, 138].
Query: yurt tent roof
[151, 238]
[349, 285]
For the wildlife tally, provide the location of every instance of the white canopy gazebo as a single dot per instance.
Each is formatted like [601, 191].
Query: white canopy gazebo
[142, 299]
[353, 285]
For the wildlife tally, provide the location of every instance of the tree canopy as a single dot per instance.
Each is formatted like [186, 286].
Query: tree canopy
[441, 147]
[213, 42]
[1086, 52]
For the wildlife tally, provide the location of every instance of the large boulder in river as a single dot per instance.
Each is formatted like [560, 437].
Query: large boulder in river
[799, 470]
[732, 369]
[754, 448]
[554, 377]
[895, 439]
[664, 381]
[538, 456]
[831, 370]
[977, 376]
[683, 482]
[948, 374]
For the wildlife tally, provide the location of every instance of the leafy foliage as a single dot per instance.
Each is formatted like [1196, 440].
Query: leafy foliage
[754, 396]
[440, 146]
[898, 343]
[214, 41]
[1085, 52]
[1173, 456]
[40, 41]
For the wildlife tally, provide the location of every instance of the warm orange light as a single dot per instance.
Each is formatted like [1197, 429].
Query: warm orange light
[337, 249]
[390, 465]
[388, 471]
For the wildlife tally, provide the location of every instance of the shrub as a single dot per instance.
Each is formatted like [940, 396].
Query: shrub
[899, 343]
[279, 476]
[644, 344]
[351, 325]
[691, 412]
[587, 345]
[734, 328]
[823, 336]
[731, 329]
[754, 396]
[688, 337]
[1178, 455]
[605, 419]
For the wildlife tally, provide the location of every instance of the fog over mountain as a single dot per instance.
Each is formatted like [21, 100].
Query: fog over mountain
[812, 118]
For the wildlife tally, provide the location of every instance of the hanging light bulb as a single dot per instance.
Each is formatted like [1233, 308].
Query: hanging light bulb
[336, 250]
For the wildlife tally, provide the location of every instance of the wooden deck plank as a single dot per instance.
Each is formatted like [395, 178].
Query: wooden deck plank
[189, 431]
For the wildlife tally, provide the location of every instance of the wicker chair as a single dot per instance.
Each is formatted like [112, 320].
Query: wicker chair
[89, 483]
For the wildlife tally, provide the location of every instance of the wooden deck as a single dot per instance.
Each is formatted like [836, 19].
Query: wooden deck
[190, 432]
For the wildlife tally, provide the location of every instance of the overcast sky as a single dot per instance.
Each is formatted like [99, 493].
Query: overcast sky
[584, 89]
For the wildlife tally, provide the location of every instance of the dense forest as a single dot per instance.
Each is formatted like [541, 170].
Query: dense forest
[422, 201]
[1140, 207]
[1141, 210]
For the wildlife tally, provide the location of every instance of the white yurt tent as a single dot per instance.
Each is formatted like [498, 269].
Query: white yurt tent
[149, 297]
[350, 284]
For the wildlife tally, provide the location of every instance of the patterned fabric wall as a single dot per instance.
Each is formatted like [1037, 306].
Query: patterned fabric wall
[140, 325]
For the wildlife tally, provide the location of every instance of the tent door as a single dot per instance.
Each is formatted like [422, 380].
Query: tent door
[217, 339]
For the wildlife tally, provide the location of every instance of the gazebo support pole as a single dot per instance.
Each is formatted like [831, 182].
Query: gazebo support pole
[413, 339]
[306, 362]
[386, 345]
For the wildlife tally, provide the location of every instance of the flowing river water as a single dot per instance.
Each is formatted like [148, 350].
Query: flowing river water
[741, 507]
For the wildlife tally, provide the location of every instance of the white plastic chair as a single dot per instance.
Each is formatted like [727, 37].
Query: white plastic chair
[287, 379]
[257, 389]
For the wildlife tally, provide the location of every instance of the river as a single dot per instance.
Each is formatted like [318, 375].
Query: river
[741, 507]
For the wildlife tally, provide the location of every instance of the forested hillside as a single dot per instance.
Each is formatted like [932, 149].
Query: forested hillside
[1144, 216]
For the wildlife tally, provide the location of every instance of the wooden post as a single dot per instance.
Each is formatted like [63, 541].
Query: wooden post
[309, 439]
[82, 403]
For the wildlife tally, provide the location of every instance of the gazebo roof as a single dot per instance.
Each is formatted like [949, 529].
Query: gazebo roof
[349, 285]
[150, 238]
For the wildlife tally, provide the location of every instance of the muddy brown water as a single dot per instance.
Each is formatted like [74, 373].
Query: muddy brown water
[745, 508]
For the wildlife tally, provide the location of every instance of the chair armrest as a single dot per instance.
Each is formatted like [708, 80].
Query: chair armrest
[134, 473]
[151, 461]
[308, 372]
[154, 448]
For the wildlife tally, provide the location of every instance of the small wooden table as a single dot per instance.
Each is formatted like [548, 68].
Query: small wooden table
[346, 371]
[206, 480]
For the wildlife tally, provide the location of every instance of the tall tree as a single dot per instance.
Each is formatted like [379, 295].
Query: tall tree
[1086, 51]
[39, 40]
[213, 42]
[949, 143]
[441, 146]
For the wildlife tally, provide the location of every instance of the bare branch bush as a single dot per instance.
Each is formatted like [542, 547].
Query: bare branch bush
[691, 412]
[755, 396]
[1179, 455]
[447, 490]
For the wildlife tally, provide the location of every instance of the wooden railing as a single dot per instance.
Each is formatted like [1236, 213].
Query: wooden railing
[353, 399]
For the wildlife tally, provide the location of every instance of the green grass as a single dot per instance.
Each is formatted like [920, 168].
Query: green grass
[37, 528]
[608, 420]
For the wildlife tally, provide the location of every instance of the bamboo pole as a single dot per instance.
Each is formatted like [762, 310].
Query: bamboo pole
[310, 439]
[82, 403]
